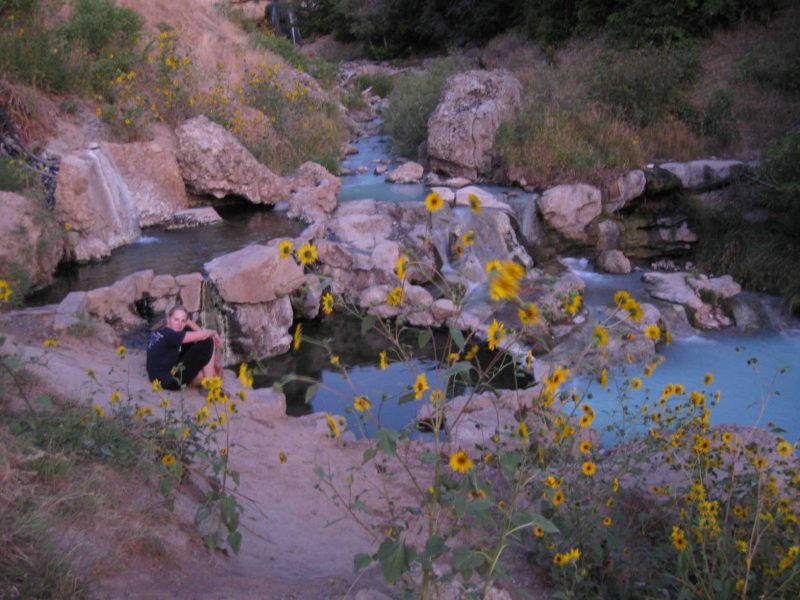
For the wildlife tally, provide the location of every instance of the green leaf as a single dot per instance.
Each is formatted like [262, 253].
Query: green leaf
[406, 398]
[235, 476]
[202, 514]
[319, 472]
[457, 337]
[368, 323]
[423, 338]
[235, 541]
[534, 520]
[435, 546]
[429, 458]
[310, 391]
[229, 512]
[361, 561]
[45, 402]
[465, 560]
[509, 461]
[369, 454]
[395, 558]
[387, 441]
[459, 367]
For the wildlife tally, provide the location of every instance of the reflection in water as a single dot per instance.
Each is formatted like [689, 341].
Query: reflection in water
[174, 252]
[359, 353]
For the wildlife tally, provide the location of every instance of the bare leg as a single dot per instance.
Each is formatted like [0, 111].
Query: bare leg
[208, 370]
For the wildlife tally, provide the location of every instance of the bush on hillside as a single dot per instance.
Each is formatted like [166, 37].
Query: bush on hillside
[643, 86]
[638, 22]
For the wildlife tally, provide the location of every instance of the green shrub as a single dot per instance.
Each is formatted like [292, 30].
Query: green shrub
[31, 53]
[411, 102]
[15, 176]
[100, 26]
[381, 83]
[643, 86]
[780, 167]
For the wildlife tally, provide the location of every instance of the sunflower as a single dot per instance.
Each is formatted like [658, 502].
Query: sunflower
[333, 426]
[460, 462]
[538, 532]
[307, 254]
[115, 396]
[436, 397]
[395, 297]
[99, 410]
[558, 498]
[585, 420]
[474, 203]
[652, 332]
[420, 385]
[327, 303]
[589, 468]
[382, 363]
[401, 266]
[468, 238]
[245, 376]
[635, 383]
[785, 448]
[496, 334]
[433, 202]
[285, 248]
[282, 458]
[168, 459]
[603, 377]
[529, 314]
[361, 403]
[493, 266]
[600, 336]
[297, 337]
[621, 297]
[607, 521]
[708, 379]
[523, 430]
[678, 538]
[585, 447]
[573, 304]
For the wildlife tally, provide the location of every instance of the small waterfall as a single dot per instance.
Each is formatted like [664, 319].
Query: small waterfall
[111, 199]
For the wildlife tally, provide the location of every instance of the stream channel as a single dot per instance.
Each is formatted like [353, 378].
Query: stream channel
[763, 392]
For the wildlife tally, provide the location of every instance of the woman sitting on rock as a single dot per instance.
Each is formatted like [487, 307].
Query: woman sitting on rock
[181, 353]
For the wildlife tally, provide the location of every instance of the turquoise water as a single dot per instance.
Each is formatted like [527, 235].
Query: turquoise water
[764, 393]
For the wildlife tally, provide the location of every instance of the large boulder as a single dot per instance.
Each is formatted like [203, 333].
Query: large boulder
[409, 172]
[263, 328]
[703, 298]
[32, 243]
[570, 208]
[613, 261]
[154, 181]
[461, 131]
[212, 161]
[94, 200]
[254, 274]
[314, 191]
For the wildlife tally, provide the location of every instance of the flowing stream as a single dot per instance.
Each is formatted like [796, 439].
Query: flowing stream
[762, 392]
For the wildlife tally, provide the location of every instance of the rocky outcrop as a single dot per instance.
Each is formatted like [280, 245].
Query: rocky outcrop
[32, 243]
[254, 274]
[212, 161]
[704, 298]
[705, 174]
[623, 190]
[194, 217]
[409, 172]
[314, 191]
[150, 170]
[461, 131]
[569, 209]
[93, 200]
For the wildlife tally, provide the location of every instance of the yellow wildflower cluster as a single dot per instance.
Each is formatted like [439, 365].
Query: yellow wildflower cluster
[563, 559]
[504, 281]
